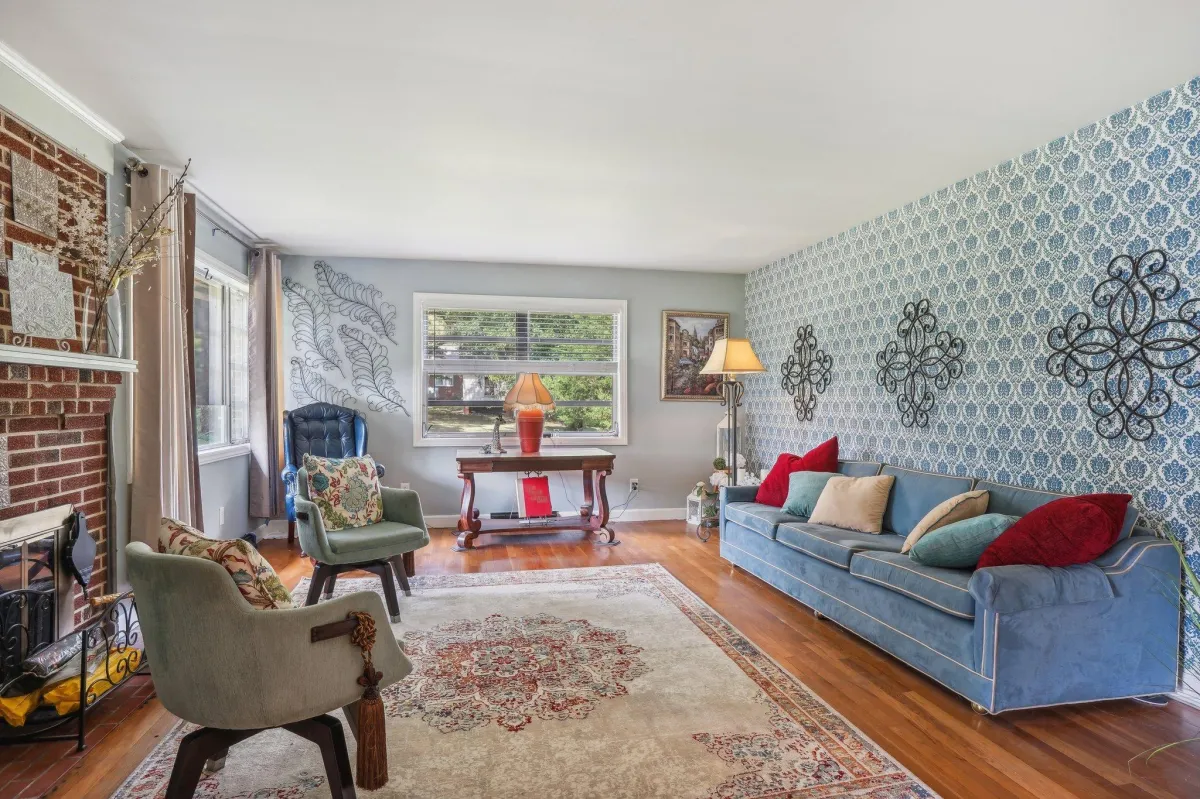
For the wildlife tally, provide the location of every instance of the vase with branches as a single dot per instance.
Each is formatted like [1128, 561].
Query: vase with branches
[108, 259]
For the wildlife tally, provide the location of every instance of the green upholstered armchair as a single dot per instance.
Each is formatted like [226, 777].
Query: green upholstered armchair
[217, 662]
[383, 548]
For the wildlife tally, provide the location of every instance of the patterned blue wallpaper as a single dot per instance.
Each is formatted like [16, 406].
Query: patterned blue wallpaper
[1003, 257]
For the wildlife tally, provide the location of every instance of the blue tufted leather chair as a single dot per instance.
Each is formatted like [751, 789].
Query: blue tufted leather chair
[322, 430]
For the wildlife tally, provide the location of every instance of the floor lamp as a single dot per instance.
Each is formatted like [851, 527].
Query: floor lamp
[731, 357]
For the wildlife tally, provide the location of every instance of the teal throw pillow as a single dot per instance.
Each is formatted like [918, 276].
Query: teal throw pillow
[804, 488]
[959, 545]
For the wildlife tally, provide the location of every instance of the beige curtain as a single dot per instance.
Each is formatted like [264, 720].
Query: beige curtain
[166, 478]
[266, 385]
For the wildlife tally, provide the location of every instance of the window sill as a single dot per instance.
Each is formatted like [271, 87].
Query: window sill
[514, 442]
[215, 454]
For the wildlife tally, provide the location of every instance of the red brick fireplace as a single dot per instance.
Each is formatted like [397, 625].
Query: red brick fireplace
[55, 421]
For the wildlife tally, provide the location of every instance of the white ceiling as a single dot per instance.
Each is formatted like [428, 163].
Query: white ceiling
[683, 134]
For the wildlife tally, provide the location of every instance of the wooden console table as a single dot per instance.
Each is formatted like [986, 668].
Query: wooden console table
[596, 465]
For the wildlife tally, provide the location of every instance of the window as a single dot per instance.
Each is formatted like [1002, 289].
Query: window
[471, 348]
[220, 308]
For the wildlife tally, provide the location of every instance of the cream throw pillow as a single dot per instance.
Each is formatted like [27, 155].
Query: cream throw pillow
[854, 503]
[956, 509]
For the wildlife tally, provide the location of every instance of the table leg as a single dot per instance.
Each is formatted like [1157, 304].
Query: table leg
[608, 536]
[589, 502]
[468, 518]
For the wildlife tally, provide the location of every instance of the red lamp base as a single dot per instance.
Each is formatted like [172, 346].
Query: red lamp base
[529, 430]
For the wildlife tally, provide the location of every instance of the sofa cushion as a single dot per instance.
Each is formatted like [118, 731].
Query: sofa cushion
[1015, 501]
[859, 468]
[833, 544]
[960, 545]
[915, 494]
[804, 488]
[962, 506]
[774, 487]
[853, 503]
[944, 589]
[762, 519]
[1065, 532]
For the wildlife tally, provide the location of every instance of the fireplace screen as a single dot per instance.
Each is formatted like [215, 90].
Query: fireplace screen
[27, 600]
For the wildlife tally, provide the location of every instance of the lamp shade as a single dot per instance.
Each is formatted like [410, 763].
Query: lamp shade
[732, 356]
[529, 393]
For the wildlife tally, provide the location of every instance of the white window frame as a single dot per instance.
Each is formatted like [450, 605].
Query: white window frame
[491, 302]
[218, 271]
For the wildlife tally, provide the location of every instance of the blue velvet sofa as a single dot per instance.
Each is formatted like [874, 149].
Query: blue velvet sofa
[1005, 637]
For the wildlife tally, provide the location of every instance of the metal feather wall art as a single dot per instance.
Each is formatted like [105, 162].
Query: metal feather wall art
[371, 370]
[360, 302]
[318, 350]
[312, 329]
[309, 386]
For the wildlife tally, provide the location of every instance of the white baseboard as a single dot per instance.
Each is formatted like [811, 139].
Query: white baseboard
[1187, 696]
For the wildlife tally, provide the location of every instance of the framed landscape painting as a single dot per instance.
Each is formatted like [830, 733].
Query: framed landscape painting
[687, 341]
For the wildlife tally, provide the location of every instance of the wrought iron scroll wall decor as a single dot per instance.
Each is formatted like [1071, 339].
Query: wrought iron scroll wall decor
[806, 372]
[922, 360]
[1135, 346]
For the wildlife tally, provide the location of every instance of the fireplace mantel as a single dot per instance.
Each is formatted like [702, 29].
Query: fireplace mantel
[75, 360]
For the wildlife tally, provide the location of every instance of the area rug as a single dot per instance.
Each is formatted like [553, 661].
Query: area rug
[600, 682]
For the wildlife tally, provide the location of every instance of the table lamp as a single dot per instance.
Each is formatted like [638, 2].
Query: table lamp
[730, 357]
[529, 400]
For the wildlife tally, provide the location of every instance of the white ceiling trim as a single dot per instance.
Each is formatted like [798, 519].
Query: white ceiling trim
[17, 63]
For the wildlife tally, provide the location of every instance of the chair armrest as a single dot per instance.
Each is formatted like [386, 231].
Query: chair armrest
[310, 526]
[403, 505]
[1012, 589]
[326, 672]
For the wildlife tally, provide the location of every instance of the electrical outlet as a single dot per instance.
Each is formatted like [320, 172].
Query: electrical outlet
[221, 517]
[404, 486]
[633, 484]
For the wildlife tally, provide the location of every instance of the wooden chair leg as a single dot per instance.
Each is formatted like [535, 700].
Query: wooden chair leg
[194, 751]
[320, 575]
[330, 582]
[384, 571]
[410, 564]
[291, 531]
[401, 575]
[326, 732]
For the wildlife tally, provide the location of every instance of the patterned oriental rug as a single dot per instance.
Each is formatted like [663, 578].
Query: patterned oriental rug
[599, 682]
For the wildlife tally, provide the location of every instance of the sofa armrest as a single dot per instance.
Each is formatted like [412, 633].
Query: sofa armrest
[1012, 589]
[1127, 551]
[738, 494]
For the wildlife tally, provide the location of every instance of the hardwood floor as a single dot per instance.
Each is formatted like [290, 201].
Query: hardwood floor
[1082, 751]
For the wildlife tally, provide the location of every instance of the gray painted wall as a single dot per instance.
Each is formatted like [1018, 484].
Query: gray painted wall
[671, 444]
[224, 483]
[46, 114]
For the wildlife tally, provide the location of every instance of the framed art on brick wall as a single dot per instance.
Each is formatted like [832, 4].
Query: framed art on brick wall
[687, 341]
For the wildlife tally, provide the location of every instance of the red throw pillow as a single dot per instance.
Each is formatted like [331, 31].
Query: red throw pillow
[774, 488]
[1063, 532]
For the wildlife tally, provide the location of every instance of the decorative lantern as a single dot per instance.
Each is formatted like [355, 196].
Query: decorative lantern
[724, 439]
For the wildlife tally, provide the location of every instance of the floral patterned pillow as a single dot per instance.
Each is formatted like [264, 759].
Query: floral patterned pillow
[254, 577]
[346, 490]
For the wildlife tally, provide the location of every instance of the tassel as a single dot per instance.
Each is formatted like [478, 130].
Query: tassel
[372, 765]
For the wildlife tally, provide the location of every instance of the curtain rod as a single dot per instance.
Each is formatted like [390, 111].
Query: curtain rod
[217, 226]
